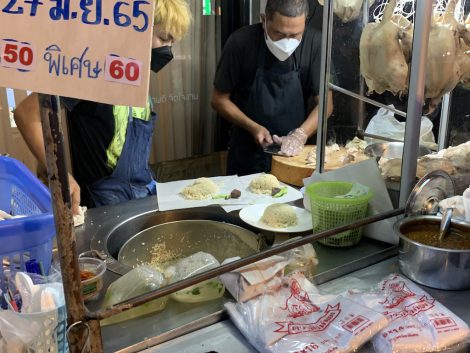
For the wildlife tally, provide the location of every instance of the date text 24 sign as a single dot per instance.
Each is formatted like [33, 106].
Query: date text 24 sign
[96, 50]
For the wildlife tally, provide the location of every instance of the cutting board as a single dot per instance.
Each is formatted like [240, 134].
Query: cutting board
[292, 170]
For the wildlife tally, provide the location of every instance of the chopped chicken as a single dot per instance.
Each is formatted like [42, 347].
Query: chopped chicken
[383, 63]
[312, 155]
[452, 160]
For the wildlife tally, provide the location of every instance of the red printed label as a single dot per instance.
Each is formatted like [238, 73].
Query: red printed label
[299, 304]
[17, 55]
[423, 304]
[443, 322]
[397, 293]
[331, 313]
[123, 70]
[356, 323]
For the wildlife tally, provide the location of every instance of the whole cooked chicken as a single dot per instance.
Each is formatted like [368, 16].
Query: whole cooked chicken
[443, 70]
[383, 63]
[347, 10]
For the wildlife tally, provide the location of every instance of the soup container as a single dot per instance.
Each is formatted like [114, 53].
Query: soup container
[432, 266]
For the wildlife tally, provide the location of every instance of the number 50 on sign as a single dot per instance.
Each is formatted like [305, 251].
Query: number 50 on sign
[17, 55]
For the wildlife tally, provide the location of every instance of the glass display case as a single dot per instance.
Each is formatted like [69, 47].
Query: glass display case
[397, 70]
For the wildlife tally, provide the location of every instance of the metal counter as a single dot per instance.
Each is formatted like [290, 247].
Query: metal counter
[179, 319]
[217, 337]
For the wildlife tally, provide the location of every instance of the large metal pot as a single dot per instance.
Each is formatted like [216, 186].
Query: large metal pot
[431, 266]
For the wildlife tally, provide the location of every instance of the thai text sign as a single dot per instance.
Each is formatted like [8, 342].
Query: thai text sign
[96, 50]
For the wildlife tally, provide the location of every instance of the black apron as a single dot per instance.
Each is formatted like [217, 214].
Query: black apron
[275, 100]
[132, 177]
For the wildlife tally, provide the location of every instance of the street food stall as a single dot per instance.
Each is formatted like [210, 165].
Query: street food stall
[257, 263]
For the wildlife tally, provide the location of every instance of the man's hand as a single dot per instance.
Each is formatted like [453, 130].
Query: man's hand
[74, 195]
[262, 136]
[293, 143]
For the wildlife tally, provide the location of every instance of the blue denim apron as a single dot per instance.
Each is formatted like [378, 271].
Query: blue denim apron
[275, 100]
[132, 177]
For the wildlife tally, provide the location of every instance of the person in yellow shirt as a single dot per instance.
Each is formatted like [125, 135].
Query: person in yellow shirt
[110, 145]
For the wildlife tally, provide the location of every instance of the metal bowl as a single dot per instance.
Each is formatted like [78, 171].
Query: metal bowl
[391, 150]
[431, 266]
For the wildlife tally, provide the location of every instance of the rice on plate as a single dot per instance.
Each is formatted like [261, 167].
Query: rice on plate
[279, 215]
[200, 189]
[264, 184]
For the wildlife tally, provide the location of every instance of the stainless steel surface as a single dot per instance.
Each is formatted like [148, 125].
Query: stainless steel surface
[428, 192]
[209, 274]
[110, 240]
[431, 266]
[365, 99]
[224, 334]
[114, 224]
[326, 45]
[391, 150]
[422, 27]
[186, 237]
[445, 223]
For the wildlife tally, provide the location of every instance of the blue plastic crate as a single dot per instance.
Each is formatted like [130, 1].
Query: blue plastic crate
[30, 237]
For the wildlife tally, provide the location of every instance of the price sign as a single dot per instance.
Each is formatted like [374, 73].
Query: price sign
[123, 70]
[88, 49]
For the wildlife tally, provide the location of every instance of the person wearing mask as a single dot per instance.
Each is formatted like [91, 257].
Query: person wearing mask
[110, 144]
[267, 86]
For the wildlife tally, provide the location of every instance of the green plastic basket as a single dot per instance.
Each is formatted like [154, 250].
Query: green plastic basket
[330, 212]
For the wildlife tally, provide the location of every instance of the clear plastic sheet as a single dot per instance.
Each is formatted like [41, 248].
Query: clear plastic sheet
[303, 259]
[139, 280]
[190, 266]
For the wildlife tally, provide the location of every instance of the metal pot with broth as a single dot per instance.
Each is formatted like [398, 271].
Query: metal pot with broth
[424, 259]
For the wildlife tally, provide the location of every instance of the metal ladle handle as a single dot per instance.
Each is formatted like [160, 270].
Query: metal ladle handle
[445, 223]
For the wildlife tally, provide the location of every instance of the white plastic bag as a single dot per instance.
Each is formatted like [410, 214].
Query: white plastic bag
[297, 318]
[254, 279]
[419, 323]
[384, 124]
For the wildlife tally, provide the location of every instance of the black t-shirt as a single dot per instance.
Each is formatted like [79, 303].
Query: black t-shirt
[91, 130]
[236, 69]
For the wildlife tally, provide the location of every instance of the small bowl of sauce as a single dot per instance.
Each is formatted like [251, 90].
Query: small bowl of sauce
[91, 276]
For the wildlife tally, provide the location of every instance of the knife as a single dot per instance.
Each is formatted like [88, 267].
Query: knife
[273, 149]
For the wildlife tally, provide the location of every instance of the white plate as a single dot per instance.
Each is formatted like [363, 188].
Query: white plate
[252, 215]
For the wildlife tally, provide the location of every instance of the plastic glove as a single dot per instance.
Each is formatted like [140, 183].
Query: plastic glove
[293, 143]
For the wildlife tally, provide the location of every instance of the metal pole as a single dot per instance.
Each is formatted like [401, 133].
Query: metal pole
[324, 77]
[361, 110]
[59, 187]
[144, 298]
[414, 110]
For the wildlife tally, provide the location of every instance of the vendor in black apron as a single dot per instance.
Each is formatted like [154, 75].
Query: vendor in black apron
[267, 74]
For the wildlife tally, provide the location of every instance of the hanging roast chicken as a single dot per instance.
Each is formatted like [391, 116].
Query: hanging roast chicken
[443, 69]
[383, 62]
[385, 54]
[347, 10]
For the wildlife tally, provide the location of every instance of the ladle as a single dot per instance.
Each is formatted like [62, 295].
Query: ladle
[445, 223]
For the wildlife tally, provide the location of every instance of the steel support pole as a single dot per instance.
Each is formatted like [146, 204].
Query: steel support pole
[327, 31]
[79, 336]
[422, 25]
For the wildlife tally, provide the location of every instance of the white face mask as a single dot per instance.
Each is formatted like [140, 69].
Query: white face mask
[283, 48]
